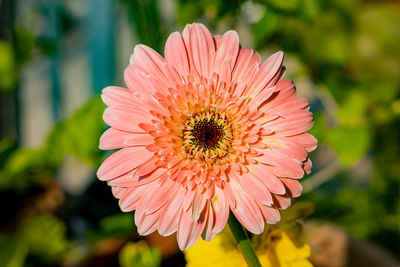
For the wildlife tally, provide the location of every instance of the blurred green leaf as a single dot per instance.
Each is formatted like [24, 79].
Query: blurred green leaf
[7, 147]
[265, 27]
[78, 135]
[287, 5]
[22, 160]
[377, 44]
[352, 112]
[146, 22]
[310, 8]
[23, 167]
[187, 11]
[212, 11]
[117, 223]
[349, 143]
[139, 255]
[13, 252]
[112, 226]
[325, 42]
[45, 236]
[24, 44]
[8, 71]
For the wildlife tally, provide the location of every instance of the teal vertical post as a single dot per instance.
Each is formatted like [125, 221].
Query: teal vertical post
[51, 11]
[101, 29]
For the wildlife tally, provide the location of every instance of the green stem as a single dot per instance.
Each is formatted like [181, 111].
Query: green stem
[243, 241]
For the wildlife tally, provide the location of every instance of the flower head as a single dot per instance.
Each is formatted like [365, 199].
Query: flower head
[204, 131]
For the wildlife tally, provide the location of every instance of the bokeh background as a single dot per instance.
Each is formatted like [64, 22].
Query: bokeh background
[57, 55]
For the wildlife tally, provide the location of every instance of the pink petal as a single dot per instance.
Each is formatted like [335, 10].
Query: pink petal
[224, 72]
[113, 138]
[265, 74]
[294, 124]
[123, 161]
[282, 202]
[113, 95]
[230, 197]
[270, 214]
[170, 213]
[284, 91]
[279, 75]
[286, 106]
[293, 187]
[159, 196]
[255, 189]
[132, 196]
[219, 210]
[126, 118]
[146, 223]
[217, 39]
[175, 54]
[246, 66]
[307, 166]
[159, 174]
[147, 167]
[125, 180]
[270, 181]
[188, 200]
[128, 199]
[201, 48]
[199, 202]
[208, 234]
[118, 191]
[160, 86]
[263, 96]
[227, 50]
[189, 231]
[130, 179]
[247, 211]
[286, 147]
[308, 141]
[152, 63]
[282, 165]
[136, 80]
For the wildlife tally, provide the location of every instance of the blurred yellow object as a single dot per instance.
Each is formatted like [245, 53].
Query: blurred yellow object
[279, 245]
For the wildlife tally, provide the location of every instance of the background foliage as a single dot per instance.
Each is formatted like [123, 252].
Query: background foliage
[343, 55]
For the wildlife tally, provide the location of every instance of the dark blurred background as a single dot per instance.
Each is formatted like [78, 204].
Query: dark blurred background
[57, 55]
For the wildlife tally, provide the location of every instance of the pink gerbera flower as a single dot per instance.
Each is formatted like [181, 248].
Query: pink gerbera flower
[204, 131]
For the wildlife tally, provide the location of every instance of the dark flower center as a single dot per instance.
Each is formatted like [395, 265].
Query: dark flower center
[207, 137]
[207, 134]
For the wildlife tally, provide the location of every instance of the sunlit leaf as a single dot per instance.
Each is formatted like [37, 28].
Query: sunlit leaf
[353, 111]
[310, 8]
[78, 135]
[21, 168]
[139, 255]
[45, 236]
[112, 226]
[287, 5]
[8, 71]
[12, 252]
[265, 27]
[24, 45]
[117, 223]
[349, 143]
